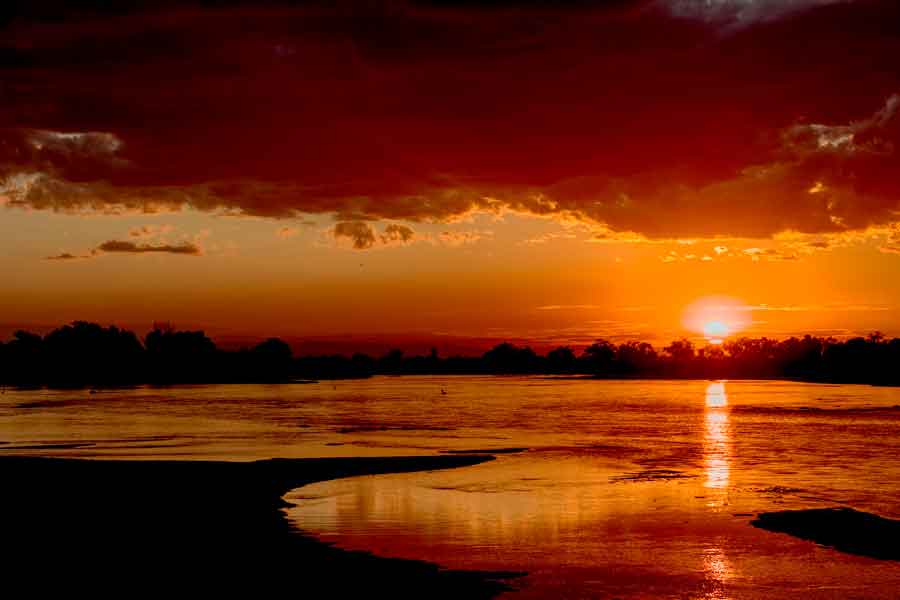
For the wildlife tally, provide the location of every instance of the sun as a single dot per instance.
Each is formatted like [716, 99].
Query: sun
[716, 317]
[716, 331]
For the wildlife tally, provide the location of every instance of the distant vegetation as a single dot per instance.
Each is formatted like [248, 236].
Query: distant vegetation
[83, 354]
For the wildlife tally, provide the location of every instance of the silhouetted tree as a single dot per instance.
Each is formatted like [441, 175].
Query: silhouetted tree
[636, 357]
[562, 360]
[507, 358]
[681, 358]
[23, 359]
[176, 356]
[392, 362]
[271, 360]
[599, 358]
[85, 353]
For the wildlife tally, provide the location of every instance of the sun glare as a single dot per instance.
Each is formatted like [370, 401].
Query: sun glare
[716, 317]
[716, 331]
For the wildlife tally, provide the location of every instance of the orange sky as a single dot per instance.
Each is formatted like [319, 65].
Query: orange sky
[553, 173]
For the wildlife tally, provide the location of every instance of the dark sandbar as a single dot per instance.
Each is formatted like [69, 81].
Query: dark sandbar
[843, 529]
[123, 528]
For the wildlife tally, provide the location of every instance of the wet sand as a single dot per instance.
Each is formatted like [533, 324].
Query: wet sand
[120, 528]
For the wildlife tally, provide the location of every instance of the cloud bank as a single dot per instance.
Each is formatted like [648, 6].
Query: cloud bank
[635, 117]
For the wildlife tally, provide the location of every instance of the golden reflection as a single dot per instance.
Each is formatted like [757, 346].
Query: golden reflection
[718, 572]
[717, 438]
[715, 395]
[717, 465]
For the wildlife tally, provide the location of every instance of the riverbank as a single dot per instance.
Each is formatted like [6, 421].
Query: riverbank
[120, 528]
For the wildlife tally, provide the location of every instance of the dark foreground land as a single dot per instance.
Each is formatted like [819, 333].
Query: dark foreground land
[843, 529]
[129, 528]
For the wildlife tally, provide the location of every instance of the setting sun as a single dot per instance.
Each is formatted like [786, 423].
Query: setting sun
[716, 331]
[716, 317]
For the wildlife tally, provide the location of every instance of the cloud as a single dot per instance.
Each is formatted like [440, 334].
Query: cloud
[150, 231]
[131, 247]
[463, 238]
[547, 237]
[64, 256]
[570, 307]
[816, 308]
[361, 234]
[44, 191]
[825, 178]
[287, 232]
[891, 243]
[426, 117]
[394, 233]
[737, 14]
[757, 254]
[364, 236]
[76, 153]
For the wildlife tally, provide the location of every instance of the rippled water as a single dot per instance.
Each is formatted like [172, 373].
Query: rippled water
[630, 489]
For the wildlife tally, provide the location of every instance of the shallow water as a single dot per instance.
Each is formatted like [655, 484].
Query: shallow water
[630, 489]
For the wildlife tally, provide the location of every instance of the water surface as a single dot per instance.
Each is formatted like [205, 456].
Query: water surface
[629, 489]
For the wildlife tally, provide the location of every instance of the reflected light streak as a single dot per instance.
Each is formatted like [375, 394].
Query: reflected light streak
[717, 465]
[715, 395]
[717, 438]
[718, 571]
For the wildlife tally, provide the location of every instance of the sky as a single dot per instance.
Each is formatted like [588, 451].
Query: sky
[550, 172]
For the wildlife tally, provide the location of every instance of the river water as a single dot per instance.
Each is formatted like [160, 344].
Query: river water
[600, 489]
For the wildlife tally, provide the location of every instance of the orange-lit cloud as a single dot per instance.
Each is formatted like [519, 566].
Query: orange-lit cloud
[397, 233]
[286, 232]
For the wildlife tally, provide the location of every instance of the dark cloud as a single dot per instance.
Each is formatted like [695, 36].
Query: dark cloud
[120, 246]
[639, 116]
[63, 256]
[364, 236]
[397, 233]
[126, 246]
[361, 234]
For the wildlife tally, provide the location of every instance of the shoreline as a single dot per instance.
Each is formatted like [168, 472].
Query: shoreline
[100, 387]
[116, 527]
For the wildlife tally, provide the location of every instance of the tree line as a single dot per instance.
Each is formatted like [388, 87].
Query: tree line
[83, 353]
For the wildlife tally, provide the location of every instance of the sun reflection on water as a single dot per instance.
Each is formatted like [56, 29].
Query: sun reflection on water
[717, 438]
[717, 467]
[715, 395]
[718, 572]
